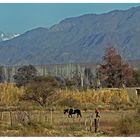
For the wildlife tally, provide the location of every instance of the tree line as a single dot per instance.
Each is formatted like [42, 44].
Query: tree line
[112, 72]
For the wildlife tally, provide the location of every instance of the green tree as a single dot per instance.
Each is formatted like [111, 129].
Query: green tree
[24, 75]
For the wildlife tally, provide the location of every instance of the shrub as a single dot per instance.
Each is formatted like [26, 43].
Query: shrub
[128, 125]
[39, 90]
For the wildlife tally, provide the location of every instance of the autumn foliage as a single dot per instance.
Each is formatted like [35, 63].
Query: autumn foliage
[103, 96]
[113, 72]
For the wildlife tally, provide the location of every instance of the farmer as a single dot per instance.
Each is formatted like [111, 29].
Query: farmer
[97, 112]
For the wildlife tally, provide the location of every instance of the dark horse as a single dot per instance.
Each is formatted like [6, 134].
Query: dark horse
[73, 111]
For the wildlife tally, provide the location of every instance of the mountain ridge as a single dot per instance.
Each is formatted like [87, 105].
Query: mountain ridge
[79, 39]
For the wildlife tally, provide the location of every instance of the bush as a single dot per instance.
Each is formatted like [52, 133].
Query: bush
[39, 90]
[128, 125]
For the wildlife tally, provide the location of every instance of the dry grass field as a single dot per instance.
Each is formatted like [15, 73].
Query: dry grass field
[47, 123]
[29, 119]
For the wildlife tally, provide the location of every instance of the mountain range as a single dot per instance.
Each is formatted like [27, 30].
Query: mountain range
[81, 39]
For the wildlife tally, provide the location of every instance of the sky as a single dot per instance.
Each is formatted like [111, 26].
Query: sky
[18, 18]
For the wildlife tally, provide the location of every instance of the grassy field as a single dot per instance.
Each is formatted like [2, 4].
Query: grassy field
[26, 118]
[47, 123]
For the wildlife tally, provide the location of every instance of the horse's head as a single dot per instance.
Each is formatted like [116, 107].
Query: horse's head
[66, 111]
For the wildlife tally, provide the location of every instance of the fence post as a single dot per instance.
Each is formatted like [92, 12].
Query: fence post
[63, 123]
[40, 116]
[91, 125]
[80, 122]
[86, 124]
[0, 115]
[46, 117]
[91, 122]
[11, 118]
[96, 121]
[51, 117]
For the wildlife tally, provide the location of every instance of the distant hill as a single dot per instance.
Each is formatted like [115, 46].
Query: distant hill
[76, 40]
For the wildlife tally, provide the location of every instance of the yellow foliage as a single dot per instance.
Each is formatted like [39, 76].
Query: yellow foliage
[9, 94]
[105, 96]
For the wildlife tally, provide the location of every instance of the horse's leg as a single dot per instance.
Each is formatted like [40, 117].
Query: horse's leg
[77, 115]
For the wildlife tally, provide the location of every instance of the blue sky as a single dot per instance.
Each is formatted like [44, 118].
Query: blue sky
[22, 17]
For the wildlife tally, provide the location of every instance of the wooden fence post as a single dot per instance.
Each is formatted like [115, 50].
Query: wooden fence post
[91, 125]
[46, 117]
[51, 117]
[96, 121]
[11, 118]
[62, 123]
[91, 122]
[0, 115]
[80, 122]
[85, 124]
[40, 116]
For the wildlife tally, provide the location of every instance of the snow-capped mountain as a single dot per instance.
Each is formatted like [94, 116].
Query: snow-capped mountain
[7, 36]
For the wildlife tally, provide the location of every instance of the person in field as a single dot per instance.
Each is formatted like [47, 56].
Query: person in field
[97, 112]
